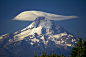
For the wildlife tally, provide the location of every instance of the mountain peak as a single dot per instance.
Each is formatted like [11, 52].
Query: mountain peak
[42, 32]
[40, 17]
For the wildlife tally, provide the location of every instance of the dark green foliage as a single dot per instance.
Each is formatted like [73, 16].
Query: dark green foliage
[44, 54]
[80, 49]
[74, 51]
[84, 50]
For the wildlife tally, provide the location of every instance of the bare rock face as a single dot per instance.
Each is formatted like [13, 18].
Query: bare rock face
[41, 33]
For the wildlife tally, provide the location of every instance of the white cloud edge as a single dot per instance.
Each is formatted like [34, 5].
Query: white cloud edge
[32, 15]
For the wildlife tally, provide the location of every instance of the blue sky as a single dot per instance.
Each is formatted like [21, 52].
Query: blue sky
[11, 8]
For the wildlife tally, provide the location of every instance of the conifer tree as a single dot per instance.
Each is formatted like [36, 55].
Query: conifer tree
[79, 47]
[84, 50]
[74, 52]
[79, 50]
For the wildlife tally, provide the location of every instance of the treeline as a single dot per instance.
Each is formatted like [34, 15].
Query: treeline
[44, 54]
[77, 51]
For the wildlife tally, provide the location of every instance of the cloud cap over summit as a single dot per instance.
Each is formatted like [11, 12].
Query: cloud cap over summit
[31, 15]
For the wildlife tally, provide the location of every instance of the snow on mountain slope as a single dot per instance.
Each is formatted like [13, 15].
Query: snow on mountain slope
[59, 35]
[27, 33]
[31, 15]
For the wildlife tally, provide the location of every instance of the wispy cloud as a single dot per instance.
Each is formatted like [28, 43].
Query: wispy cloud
[32, 15]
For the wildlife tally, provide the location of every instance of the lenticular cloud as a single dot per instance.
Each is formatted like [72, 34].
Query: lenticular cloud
[32, 15]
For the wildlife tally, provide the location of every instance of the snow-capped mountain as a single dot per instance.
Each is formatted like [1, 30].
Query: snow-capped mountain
[44, 27]
[41, 33]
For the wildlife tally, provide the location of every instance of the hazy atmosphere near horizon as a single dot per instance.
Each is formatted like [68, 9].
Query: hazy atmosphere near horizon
[11, 8]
